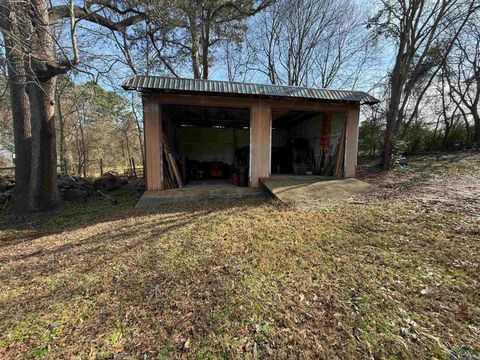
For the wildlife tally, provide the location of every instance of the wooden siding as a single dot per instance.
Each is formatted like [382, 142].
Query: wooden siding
[260, 130]
[260, 144]
[283, 104]
[351, 142]
[153, 144]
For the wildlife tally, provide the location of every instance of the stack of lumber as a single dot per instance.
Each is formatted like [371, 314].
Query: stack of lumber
[332, 165]
[171, 174]
[340, 155]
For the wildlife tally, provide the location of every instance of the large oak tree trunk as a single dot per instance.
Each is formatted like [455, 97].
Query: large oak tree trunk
[44, 194]
[32, 71]
[393, 119]
[12, 30]
[394, 115]
[21, 129]
[32, 100]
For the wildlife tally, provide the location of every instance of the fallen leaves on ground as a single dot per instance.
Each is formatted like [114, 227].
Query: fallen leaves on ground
[390, 277]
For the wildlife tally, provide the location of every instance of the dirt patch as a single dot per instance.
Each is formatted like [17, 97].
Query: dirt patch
[431, 182]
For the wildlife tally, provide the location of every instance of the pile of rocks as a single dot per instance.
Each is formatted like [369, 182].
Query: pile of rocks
[72, 188]
[75, 188]
[136, 186]
[109, 182]
[5, 197]
[6, 183]
[6, 190]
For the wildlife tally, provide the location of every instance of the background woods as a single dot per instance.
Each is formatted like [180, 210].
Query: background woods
[97, 125]
[61, 108]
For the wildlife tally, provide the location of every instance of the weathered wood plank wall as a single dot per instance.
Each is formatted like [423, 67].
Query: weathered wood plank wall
[260, 130]
[153, 144]
[351, 142]
[260, 144]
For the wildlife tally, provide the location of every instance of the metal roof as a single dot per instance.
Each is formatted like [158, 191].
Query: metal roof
[191, 86]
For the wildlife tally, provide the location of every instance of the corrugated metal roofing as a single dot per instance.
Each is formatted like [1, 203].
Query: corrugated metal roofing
[167, 84]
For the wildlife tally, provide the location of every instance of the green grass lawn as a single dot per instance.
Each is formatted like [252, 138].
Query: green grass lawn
[391, 277]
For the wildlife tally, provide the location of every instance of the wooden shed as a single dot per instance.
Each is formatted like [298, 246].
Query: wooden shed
[220, 134]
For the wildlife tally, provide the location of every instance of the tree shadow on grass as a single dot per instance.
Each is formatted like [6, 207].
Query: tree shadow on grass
[130, 260]
[141, 225]
[14, 230]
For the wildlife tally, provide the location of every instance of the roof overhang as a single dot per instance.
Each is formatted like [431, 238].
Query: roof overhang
[158, 84]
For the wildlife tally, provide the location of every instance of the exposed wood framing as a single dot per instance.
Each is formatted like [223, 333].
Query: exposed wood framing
[153, 144]
[260, 130]
[281, 104]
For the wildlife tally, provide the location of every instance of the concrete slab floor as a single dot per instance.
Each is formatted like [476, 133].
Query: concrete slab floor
[151, 199]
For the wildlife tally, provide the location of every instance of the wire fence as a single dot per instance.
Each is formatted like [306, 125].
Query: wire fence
[92, 168]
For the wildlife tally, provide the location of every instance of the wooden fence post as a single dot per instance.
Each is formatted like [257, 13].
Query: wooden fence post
[133, 167]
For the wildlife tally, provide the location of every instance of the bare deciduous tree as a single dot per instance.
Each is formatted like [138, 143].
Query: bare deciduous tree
[424, 32]
[26, 26]
[463, 74]
[312, 43]
[188, 32]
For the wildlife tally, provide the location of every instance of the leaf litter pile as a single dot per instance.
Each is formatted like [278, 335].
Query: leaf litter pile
[396, 275]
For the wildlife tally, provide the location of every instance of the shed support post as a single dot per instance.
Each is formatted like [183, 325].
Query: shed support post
[153, 144]
[260, 142]
[351, 142]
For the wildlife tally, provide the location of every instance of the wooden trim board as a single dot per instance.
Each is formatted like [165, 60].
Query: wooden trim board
[153, 144]
[351, 143]
[260, 145]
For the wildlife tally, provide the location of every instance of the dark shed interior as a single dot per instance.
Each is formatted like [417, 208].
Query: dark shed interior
[210, 144]
[305, 142]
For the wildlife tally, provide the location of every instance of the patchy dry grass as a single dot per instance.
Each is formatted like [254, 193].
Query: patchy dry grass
[388, 278]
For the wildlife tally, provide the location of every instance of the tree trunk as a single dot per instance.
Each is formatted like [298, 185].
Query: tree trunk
[445, 137]
[205, 47]
[432, 140]
[194, 50]
[12, 31]
[195, 60]
[21, 128]
[44, 194]
[476, 133]
[394, 115]
[61, 144]
[83, 153]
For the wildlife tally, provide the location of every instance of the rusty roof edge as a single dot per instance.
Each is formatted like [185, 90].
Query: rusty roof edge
[361, 97]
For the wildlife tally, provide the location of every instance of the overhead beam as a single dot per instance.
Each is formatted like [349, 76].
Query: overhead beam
[241, 102]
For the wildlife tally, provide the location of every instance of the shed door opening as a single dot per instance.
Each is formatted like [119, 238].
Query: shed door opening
[308, 142]
[210, 144]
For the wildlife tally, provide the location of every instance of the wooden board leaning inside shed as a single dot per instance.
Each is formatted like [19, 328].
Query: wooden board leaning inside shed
[206, 146]
[305, 143]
